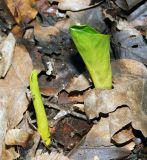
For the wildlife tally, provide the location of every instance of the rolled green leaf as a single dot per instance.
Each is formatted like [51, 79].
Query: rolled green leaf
[41, 117]
[94, 49]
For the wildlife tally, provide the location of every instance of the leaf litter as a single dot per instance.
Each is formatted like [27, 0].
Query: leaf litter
[85, 123]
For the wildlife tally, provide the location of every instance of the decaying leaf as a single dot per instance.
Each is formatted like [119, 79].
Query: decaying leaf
[69, 131]
[15, 84]
[98, 140]
[3, 122]
[43, 34]
[17, 137]
[125, 135]
[92, 17]
[10, 154]
[127, 4]
[6, 54]
[79, 83]
[130, 85]
[73, 5]
[51, 156]
[134, 46]
[23, 11]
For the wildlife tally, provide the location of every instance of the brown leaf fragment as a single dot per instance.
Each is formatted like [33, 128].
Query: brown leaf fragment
[65, 98]
[43, 34]
[129, 67]
[73, 5]
[52, 156]
[10, 154]
[17, 137]
[99, 135]
[23, 11]
[104, 101]
[3, 122]
[69, 131]
[130, 89]
[79, 83]
[15, 84]
[6, 54]
[127, 4]
[123, 136]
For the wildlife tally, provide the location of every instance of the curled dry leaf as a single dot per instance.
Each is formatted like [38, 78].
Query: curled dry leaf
[130, 85]
[23, 11]
[6, 54]
[17, 137]
[15, 84]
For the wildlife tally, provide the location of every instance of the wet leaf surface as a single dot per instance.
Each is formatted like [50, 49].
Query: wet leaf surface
[70, 131]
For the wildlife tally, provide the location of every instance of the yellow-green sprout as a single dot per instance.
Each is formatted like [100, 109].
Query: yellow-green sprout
[41, 118]
[94, 49]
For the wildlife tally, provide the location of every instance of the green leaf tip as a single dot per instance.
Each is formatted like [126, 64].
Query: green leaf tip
[41, 117]
[94, 49]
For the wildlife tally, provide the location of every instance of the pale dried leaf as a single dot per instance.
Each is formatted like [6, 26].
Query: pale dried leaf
[123, 136]
[98, 140]
[99, 135]
[130, 87]
[79, 83]
[15, 84]
[73, 5]
[10, 154]
[17, 137]
[51, 156]
[6, 54]
[3, 121]
[44, 34]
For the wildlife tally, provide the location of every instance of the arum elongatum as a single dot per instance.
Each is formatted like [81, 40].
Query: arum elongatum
[94, 49]
[41, 118]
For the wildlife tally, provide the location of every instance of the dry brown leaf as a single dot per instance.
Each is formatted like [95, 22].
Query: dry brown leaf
[17, 137]
[51, 156]
[10, 154]
[79, 83]
[130, 85]
[98, 139]
[15, 84]
[73, 5]
[23, 11]
[43, 33]
[123, 136]
[3, 121]
[99, 135]
[6, 54]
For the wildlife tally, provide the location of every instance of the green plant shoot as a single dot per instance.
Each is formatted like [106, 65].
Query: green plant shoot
[41, 118]
[94, 49]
